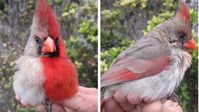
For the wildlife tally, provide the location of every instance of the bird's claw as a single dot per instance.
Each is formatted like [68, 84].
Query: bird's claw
[48, 107]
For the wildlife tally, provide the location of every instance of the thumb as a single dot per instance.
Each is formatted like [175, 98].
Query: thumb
[55, 108]
[79, 103]
[74, 103]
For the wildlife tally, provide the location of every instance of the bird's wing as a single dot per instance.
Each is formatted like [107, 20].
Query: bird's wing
[147, 57]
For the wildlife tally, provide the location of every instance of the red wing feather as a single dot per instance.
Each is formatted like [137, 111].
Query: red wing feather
[131, 69]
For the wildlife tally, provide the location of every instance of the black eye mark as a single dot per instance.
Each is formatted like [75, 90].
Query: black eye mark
[182, 37]
[39, 40]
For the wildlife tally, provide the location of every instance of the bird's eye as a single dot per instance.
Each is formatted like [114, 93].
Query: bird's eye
[37, 39]
[182, 37]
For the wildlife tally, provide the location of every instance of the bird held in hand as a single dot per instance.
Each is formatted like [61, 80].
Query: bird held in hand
[153, 67]
[44, 71]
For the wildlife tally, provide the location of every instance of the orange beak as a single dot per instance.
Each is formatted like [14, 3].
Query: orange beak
[48, 46]
[191, 44]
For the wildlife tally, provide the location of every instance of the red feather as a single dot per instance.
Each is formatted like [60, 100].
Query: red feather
[183, 11]
[128, 69]
[60, 73]
[46, 17]
[60, 76]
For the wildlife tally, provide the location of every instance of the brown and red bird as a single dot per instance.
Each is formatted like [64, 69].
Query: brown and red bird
[44, 71]
[153, 67]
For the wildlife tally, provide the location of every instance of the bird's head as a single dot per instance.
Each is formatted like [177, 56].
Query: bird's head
[45, 32]
[180, 28]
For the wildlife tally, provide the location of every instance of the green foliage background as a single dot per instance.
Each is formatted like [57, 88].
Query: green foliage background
[119, 28]
[78, 19]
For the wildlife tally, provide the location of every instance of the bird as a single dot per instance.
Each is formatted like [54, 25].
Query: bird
[44, 72]
[154, 66]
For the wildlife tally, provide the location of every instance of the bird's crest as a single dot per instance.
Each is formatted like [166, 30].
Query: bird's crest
[46, 18]
[183, 11]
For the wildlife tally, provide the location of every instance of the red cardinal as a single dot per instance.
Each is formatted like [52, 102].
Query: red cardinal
[44, 71]
[154, 66]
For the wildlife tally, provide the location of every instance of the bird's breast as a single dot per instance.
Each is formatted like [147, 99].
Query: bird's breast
[28, 80]
[60, 78]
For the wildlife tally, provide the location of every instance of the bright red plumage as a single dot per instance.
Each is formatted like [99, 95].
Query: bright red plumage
[60, 76]
[60, 73]
[46, 17]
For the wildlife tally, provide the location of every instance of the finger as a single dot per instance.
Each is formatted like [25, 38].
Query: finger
[82, 102]
[69, 110]
[87, 90]
[127, 106]
[55, 108]
[26, 104]
[17, 97]
[90, 98]
[73, 103]
[112, 106]
[138, 108]
[133, 99]
[153, 107]
[120, 97]
[179, 108]
[78, 104]
[146, 100]
[170, 106]
[41, 108]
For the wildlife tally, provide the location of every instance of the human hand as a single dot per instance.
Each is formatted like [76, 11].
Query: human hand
[131, 103]
[86, 100]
